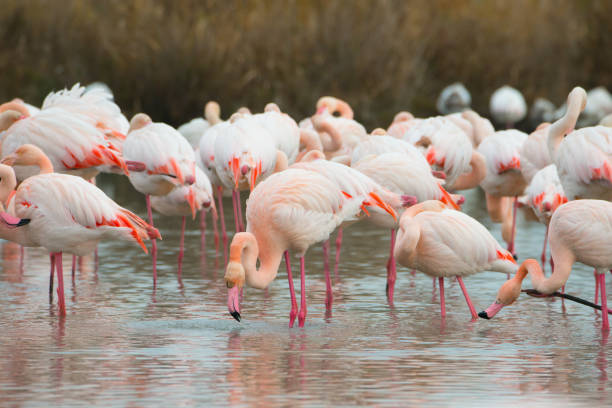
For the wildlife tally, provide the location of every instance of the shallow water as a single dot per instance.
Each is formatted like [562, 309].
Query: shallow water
[123, 343]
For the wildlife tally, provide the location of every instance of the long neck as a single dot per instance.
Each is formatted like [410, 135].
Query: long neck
[7, 183]
[310, 140]
[563, 267]
[212, 113]
[245, 249]
[344, 109]
[566, 124]
[44, 163]
[281, 161]
[474, 177]
[333, 133]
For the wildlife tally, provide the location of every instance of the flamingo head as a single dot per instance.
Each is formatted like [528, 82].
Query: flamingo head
[190, 197]
[234, 279]
[139, 121]
[7, 118]
[508, 293]
[25, 155]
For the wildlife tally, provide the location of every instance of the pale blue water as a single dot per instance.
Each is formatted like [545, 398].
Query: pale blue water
[123, 344]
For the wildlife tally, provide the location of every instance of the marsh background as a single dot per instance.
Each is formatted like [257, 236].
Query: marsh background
[168, 57]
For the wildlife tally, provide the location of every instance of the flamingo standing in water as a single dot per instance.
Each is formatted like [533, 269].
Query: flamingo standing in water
[160, 159]
[503, 177]
[291, 210]
[184, 201]
[64, 213]
[580, 231]
[441, 242]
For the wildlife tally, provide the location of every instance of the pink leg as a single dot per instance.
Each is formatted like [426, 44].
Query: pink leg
[202, 231]
[96, 261]
[52, 259]
[240, 219]
[235, 204]
[293, 312]
[596, 286]
[60, 284]
[338, 246]
[216, 231]
[74, 262]
[181, 249]
[442, 304]
[543, 257]
[511, 244]
[391, 271]
[434, 284]
[222, 218]
[329, 297]
[302, 314]
[604, 302]
[153, 241]
[467, 298]
[21, 256]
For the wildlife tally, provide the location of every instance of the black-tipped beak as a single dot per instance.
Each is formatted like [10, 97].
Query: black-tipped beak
[483, 315]
[235, 315]
[22, 222]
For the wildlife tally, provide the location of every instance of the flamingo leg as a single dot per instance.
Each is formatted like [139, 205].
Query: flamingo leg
[235, 205]
[52, 259]
[181, 249]
[202, 231]
[604, 302]
[60, 284]
[442, 304]
[391, 270]
[511, 244]
[338, 246]
[293, 312]
[543, 257]
[467, 298]
[74, 262]
[153, 241]
[596, 286]
[302, 314]
[96, 260]
[21, 256]
[329, 296]
[222, 218]
[240, 219]
[215, 220]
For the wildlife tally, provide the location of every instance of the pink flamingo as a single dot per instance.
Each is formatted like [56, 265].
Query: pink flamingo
[544, 195]
[195, 128]
[580, 231]
[402, 122]
[534, 152]
[184, 201]
[291, 210]
[64, 213]
[160, 159]
[384, 204]
[504, 177]
[71, 142]
[441, 242]
[507, 106]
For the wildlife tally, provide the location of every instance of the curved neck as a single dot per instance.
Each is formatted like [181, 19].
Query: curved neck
[245, 249]
[344, 109]
[566, 124]
[7, 183]
[45, 165]
[310, 140]
[281, 161]
[541, 283]
[325, 127]
[15, 106]
[474, 177]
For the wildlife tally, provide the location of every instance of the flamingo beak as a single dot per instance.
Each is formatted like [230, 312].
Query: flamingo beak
[491, 311]
[9, 160]
[255, 173]
[233, 302]
[192, 202]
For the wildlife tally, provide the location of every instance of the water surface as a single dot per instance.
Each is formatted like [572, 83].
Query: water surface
[125, 344]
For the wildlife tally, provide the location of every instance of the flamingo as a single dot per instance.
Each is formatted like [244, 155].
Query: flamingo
[534, 152]
[583, 157]
[291, 210]
[401, 175]
[544, 195]
[71, 142]
[441, 242]
[402, 122]
[160, 159]
[283, 129]
[481, 127]
[184, 201]
[580, 231]
[65, 213]
[384, 204]
[507, 106]
[447, 148]
[542, 110]
[195, 128]
[504, 177]
[454, 98]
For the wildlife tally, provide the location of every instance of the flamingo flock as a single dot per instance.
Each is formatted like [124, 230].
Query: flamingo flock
[307, 179]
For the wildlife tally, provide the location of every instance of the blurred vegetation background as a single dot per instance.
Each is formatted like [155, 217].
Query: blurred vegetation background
[168, 57]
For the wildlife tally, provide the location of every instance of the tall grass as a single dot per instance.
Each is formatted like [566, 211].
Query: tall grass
[167, 57]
